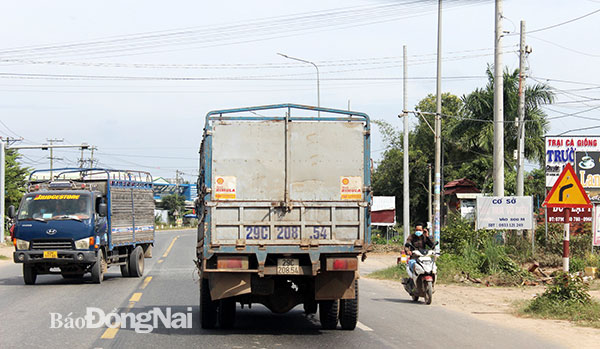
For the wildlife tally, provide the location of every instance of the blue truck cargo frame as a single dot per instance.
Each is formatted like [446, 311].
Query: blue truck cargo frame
[262, 252]
[123, 183]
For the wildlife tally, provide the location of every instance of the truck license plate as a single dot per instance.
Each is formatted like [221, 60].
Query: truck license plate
[50, 254]
[288, 266]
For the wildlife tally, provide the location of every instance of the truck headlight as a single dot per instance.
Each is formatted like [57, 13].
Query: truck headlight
[22, 244]
[83, 244]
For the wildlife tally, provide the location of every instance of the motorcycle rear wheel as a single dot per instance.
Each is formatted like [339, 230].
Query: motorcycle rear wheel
[428, 292]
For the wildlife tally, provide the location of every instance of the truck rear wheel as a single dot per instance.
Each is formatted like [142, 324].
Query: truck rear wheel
[349, 310]
[125, 268]
[226, 313]
[328, 314]
[136, 262]
[208, 308]
[29, 274]
[98, 269]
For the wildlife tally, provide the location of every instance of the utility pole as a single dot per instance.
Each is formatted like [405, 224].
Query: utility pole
[429, 196]
[498, 106]
[81, 161]
[51, 141]
[438, 133]
[406, 186]
[521, 112]
[92, 148]
[2, 189]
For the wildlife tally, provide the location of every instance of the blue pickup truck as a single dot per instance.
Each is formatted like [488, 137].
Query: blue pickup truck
[284, 211]
[77, 221]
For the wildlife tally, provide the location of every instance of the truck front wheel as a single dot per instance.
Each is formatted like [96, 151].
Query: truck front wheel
[349, 310]
[29, 274]
[328, 314]
[98, 269]
[208, 308]
[136, 262]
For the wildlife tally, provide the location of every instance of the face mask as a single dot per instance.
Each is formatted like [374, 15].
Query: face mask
[418, 233]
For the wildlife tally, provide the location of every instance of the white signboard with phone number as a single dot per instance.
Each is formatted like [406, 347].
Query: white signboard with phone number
[504, 213]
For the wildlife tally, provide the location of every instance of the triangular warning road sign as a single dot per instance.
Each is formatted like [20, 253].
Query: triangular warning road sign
[567, 191]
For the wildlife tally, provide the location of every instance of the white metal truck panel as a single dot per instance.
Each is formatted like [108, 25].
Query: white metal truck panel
[321, 155]
[253, 153]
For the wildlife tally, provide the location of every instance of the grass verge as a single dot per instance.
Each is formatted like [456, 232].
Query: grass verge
[394, 273]
[566, 299]
[581, 314]
[4, 258]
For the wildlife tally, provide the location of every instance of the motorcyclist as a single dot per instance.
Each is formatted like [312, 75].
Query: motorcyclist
[417, 240]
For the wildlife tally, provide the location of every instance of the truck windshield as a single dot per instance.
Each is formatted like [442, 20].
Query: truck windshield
[50, 206]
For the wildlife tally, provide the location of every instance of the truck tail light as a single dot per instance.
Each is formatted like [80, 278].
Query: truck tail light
[340, 264]
[233, 262]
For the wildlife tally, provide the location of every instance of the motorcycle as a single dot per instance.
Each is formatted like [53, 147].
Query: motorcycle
[421, 282]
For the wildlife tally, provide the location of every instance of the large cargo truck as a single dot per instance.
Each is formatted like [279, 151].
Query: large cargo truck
[284, 211]
[75, 221]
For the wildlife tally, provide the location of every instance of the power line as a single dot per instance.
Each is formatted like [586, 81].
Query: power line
[223, 78]
[245, 32]
[563, 23]
[565, 48]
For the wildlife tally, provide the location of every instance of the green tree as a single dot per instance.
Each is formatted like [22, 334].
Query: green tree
[15, 178]
[475, 130]
[172, 203]
[387, 177]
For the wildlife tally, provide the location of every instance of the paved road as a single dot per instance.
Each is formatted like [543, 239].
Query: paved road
[387, 316]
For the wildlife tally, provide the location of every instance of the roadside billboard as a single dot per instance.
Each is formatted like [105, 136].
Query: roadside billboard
[504, 213]
[596, 226]
[577, 215]
[582, 152]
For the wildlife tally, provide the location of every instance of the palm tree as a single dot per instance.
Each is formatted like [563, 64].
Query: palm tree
[476, 130]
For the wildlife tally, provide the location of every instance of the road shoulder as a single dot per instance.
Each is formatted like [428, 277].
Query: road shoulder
[497, 305]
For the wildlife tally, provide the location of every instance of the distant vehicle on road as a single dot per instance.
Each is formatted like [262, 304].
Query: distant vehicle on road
[283, 211]
[75, 221]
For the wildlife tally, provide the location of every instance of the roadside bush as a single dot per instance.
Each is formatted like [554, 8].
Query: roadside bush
[567, 298]
[567, 288]
[459, 232]
[579, 243]
[577, 264]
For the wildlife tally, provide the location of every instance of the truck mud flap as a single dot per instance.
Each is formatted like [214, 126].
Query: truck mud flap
[225, 285]
[335, 285]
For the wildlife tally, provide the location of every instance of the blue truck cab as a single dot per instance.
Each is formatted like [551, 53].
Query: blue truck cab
[77, 221]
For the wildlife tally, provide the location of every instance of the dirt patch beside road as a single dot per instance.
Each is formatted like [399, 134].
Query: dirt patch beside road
[496, 305]
[6, 250]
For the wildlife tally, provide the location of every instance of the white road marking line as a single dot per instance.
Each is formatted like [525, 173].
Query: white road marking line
[363, 327]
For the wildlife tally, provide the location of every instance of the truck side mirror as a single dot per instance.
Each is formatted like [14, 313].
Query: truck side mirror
[102, 209]
[11, 212]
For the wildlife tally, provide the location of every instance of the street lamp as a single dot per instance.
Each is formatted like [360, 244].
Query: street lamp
[318, 82]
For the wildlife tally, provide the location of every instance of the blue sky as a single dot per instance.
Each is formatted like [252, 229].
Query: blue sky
[91, 91]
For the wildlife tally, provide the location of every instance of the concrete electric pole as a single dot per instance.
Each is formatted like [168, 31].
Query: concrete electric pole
[521, 113]
[438, 134]
[406, 186]
[498, 106]
[51, 141]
